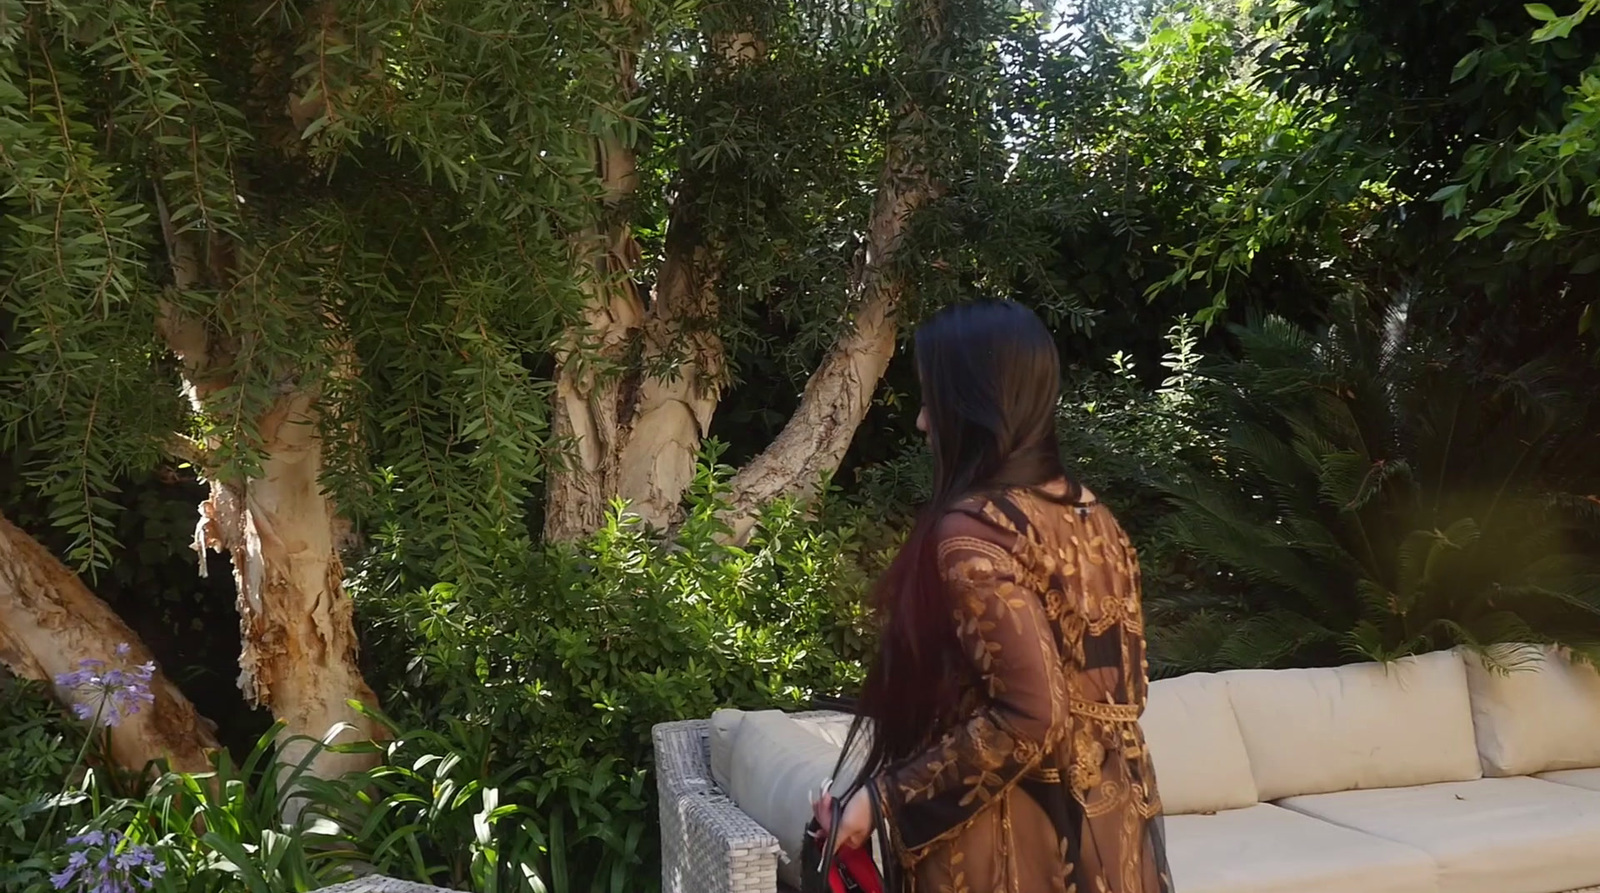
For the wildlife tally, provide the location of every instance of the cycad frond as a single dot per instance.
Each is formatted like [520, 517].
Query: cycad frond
[1411, 564]
[1348, 480]
[1223, 528]
[1462, 535]
[1401, 498]
[1219, 641]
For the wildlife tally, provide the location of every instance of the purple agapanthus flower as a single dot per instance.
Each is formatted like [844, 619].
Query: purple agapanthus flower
[110, 693]
[107, 862]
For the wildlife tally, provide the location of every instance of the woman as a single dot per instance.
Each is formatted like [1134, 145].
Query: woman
[1006, 752]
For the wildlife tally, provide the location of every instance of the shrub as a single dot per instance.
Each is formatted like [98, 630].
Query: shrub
[1381, 495]
[1129, 441]
[36, 757]
[65, 826]
[1125, 438]
[428, 811]
[548, 687]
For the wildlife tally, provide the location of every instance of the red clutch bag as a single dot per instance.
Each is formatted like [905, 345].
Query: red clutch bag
[822, 870]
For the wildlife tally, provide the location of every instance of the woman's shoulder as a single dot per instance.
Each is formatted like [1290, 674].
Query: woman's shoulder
[975, 517]
[1038, 514]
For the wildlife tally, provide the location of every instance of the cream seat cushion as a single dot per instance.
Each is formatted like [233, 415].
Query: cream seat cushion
[1494, 835]
[1542, 716]
[1361, 726]
[1201, 764]
[1265, 849]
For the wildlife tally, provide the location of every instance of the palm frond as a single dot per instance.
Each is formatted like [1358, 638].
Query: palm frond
[1400, 496]
[1505, 658]
[1211, 642]
[1460, 536]
[1283, 473]
[1411, 564]
[1214, 526]
[1368, 640]
[1581, 510]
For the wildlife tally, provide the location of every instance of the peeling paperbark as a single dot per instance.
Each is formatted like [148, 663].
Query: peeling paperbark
[50, 621]
[637, 386]
[637, 407]
[673, 406]
[588, 416]
[282, 533]
[296, 621]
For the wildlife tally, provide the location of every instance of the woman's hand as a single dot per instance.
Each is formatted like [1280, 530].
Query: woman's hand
[855, 826]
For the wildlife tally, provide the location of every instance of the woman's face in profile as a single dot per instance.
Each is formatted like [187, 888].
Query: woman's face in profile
[922, 421]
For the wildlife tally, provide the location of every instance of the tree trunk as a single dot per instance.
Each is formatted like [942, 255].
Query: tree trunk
[295, 619]
[50, 621]
[671, 411]
[636, 387]
[640, 441]
[634, 410]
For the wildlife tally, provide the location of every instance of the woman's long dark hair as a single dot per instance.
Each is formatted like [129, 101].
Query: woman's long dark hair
[991, 378]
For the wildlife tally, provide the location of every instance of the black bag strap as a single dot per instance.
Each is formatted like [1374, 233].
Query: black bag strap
[887, 875]
[1015, 515]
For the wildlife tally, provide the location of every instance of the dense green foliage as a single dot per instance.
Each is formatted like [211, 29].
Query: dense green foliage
[559, 686]
[1370, 433]
[541, 705]
[222, 830]
[1377, 497]
[1461, 176]
[36, 756]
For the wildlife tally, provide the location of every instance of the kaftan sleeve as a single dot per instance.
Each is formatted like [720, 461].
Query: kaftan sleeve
[1004, 632]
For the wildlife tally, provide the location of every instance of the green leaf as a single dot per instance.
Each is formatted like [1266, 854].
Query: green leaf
[1540, 11]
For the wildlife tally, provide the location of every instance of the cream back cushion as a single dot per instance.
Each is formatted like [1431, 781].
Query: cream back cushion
[1200, 758]
[772, 764]
[1357, 727]
[1542, 716]
[834, 727]
[725, 725]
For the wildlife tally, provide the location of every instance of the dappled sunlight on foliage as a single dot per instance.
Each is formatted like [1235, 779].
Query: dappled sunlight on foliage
[1323, 277]
[558, 675]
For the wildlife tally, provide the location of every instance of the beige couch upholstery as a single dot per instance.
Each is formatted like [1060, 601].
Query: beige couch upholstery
[1433, 774]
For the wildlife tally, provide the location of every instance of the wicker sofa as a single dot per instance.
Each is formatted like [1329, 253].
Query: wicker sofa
[1435, 774]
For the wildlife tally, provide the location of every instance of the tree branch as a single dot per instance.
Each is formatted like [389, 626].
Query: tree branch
[190, 452]
[839, 392]
[49, 621]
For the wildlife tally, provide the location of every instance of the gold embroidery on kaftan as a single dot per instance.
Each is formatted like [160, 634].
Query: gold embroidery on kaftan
[1045, 783]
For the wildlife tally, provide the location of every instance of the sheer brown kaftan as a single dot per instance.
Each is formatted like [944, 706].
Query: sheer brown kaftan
[1045, 784]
